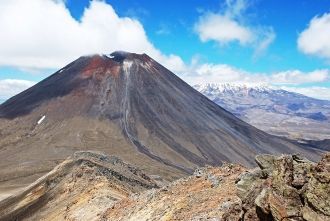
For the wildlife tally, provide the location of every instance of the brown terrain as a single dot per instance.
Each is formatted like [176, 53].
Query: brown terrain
[80, 188]
[127, 105]
[92, 186]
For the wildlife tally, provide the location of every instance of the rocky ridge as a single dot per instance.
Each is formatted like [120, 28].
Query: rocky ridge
[281, 188]
[80, 188]
[92, 186]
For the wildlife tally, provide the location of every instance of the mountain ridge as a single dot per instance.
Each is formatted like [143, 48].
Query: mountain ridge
[273, 109]
[93, 186]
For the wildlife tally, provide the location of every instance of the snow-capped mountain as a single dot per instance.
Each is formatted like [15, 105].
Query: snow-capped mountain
[273, 109]
[230, 87]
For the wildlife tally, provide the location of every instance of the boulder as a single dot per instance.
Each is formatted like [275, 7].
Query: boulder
[294, 188]
[248, 181]
[265, 161]
[302, 171]
[317, 190]
[262, 200]
[233, 211]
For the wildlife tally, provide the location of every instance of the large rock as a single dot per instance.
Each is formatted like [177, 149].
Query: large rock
[265, 161]
[262, 200]
[317, 190]
[286, 188]
[284, 200]
[302, 171]
[232, 210]
[247, 182]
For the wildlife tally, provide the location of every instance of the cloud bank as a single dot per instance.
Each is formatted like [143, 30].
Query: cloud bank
[11, 87]
[208, 73]
[43, 34]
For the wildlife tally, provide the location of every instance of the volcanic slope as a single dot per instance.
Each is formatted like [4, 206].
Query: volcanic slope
[128, 105]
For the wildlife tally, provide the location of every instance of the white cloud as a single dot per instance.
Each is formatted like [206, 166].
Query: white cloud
[299, 77]
[314, 40]
[222, 29]
[10, 87]
[231, 25]
[223, 73]
[213, 73]
[43, 34]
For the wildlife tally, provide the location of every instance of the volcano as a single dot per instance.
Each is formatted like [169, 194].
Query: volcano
[128, 105]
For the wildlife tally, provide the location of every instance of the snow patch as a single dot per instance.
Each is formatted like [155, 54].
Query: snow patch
[41, 120]
[109, 56]
[127, 66]
[233, 87]
[92, 55]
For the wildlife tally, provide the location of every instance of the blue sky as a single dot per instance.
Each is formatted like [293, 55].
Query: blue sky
[276, 42]
[178, 18]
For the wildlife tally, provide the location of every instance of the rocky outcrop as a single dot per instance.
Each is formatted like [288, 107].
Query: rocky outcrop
[286, 188]
[80, 188]
[209, 194]
[92, 186]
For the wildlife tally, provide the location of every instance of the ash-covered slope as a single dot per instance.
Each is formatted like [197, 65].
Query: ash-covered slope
[127, 105]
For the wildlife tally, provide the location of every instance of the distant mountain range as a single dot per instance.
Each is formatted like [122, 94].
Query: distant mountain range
[272, 109]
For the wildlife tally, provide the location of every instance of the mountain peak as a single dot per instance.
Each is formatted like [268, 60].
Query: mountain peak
[120, 56]
[89, 75]
[116, 56]
[129, 105]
